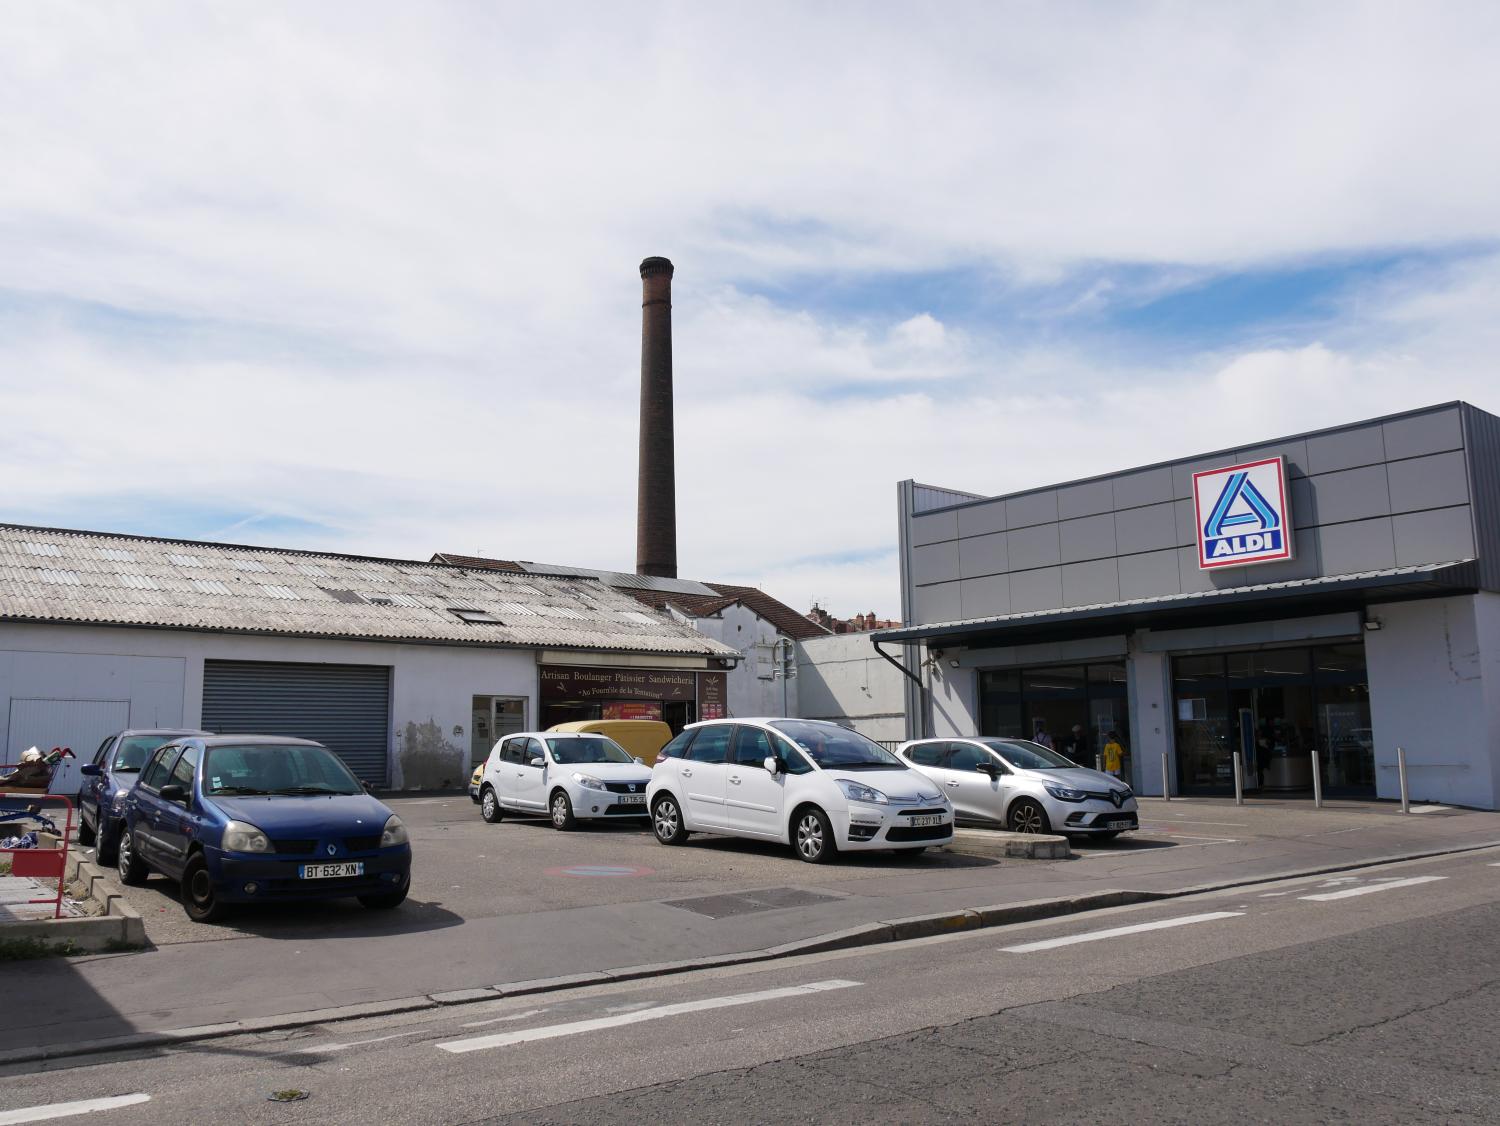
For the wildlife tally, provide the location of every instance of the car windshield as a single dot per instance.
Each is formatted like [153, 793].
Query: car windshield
[837, 748]
[276, 768]
[590, 748]
[133, 752]
[1026, 755]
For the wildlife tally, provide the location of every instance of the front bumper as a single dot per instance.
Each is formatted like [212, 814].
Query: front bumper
[868, 827]
[246, 878]
[1093, 816]
[597, 803]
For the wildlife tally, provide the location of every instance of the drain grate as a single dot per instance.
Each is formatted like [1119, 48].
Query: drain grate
[747, 903]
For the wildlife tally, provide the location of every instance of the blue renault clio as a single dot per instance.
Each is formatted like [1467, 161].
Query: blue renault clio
[250, 818]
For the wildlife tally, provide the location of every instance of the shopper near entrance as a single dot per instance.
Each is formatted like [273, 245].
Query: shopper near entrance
[1114, 754]
[1077, 746]
[1041, 736]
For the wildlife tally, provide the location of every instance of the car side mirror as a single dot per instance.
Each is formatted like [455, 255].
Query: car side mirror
[989, 768]
[772, 765]
[369, 787]
[638, 760]
[534, 760]
[90, 770]
[173, 792]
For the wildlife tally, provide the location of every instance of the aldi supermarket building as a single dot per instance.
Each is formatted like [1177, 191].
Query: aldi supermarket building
[1336, 591]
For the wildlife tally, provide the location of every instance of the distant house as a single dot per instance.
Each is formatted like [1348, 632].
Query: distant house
[407, 669]
[860, 623]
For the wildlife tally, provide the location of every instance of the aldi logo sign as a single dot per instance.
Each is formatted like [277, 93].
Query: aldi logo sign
[1243, 515]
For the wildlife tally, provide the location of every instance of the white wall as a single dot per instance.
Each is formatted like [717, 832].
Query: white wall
[1435, 690]
[751, 694]
[841, 677]
[161, 673]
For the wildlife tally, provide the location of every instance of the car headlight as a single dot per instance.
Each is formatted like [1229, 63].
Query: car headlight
[394, 832]
[1066, 793]
[857, 791]
[588, 782]
[241, 836]
[1127, 792]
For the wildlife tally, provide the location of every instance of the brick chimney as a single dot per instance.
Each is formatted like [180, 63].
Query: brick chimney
[656, 503]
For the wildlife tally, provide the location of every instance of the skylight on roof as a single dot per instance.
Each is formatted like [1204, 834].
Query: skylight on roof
[249, 565]
[41, 548]
[342, 595]
[115, 554]
[185, 560]
[475, 617]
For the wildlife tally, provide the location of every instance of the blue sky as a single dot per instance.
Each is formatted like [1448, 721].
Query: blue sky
[396, 311]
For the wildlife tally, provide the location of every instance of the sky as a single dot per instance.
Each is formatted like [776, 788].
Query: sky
[362, 277]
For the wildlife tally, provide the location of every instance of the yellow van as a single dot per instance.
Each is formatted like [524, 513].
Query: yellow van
[641, 737]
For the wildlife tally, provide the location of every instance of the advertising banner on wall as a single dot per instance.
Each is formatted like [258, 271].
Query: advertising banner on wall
[1242, 514]
[559, 682]
[713, 690]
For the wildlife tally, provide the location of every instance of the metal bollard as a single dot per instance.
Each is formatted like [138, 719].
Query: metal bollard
[1099, 763]
[1317, 781]
[1239, 781]
[1401, 770]
[1166, 783]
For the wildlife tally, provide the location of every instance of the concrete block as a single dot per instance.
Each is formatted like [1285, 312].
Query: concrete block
[1000, 843]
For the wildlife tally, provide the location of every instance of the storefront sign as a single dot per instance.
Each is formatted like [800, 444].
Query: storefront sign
[568, 683]
[632, 709]
[1242, 514]
[712, 693]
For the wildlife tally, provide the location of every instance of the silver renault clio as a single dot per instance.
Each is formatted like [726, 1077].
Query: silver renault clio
[1024, 786]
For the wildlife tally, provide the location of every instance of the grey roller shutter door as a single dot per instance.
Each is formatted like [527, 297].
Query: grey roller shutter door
[344, 707]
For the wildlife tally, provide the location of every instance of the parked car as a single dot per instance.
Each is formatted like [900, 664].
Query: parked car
[249, 818]
[1024, 786]
[109, 777]
[644, 738]
[474, 780]
[567, 776]
[814, 785]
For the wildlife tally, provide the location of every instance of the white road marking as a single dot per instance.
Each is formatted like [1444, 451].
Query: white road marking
[1189, 821]
[339, 1047]
[1116, 932]
[68, 1110]
[1367, 889]
[548, 1032]
[498, 1020]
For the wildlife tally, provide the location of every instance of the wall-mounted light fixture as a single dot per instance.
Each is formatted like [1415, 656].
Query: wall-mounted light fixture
[1372, 624]
[953, 661]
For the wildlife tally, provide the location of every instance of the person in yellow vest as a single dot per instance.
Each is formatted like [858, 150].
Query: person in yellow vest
[1114, 754]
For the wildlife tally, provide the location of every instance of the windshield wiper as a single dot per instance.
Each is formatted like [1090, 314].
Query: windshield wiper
[236, 790]
[311, 790]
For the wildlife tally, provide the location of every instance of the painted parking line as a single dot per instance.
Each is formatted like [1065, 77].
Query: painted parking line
[660, 1012]
[68, 1110]
[1116, 932]
[1369, 888]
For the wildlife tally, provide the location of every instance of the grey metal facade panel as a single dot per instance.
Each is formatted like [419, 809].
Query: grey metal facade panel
[1182, 473]
[982, 519]
[1149, 574]
[925, 498]
[940, 603]
[1035, 590]
[1152, 527]
[934, 563]
[1031, 508]
[1147, 486]
[1187, 522]
[1293, 452]
[1434, 481]
[1345, 449]
[1482, 441]
[1420, 434]
[979, 596]
[1350, 494]
[344, 707]
[1036, 546]
[1086, 499]
[934, 528]
[1089, 537]
[983, 555]
[1435, 536]
[1361, 545]
[1088, 584]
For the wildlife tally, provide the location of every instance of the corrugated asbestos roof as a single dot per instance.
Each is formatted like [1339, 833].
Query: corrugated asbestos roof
[52, 575]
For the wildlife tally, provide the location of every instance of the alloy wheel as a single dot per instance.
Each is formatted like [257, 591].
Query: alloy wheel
[664, 819]
[1027, 819]
[810, 842]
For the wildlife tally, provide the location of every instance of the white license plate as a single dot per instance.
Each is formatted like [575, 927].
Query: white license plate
[1122, 824]
[333, 871]
[925, 819]
[631, 799]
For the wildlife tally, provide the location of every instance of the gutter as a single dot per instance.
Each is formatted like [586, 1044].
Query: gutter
[914, 678]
